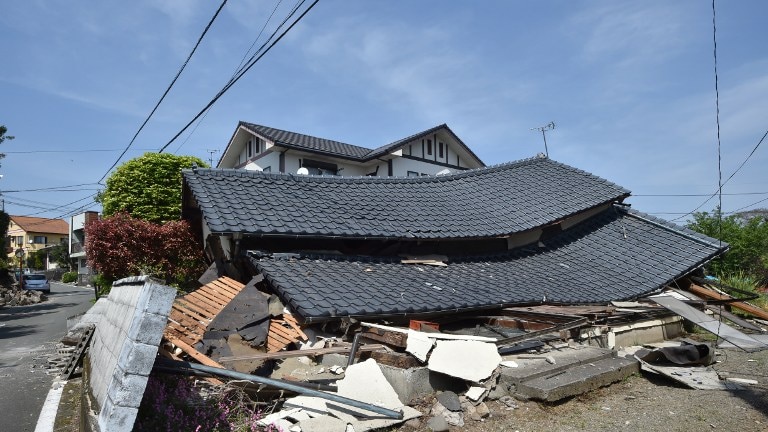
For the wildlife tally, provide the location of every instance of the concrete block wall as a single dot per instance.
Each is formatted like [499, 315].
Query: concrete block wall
[124, 346]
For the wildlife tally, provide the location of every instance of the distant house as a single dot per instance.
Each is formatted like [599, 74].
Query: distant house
[33, 234]
[77, 244]
[527, 232]
[261, 148]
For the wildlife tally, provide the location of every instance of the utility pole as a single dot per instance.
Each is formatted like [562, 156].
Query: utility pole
[210, 159]
[547, 127]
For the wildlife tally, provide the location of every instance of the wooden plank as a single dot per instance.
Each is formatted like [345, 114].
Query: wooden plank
[195, 315]
[203, 302]
[403, 361]
[711, 294]
[225, 288]
[291, 320]
[208, 297]
[181, 302]
[300, 353]
[399, 340]
[195, 354]
[235, 285]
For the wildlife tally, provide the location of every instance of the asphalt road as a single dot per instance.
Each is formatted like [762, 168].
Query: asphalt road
[28, 335]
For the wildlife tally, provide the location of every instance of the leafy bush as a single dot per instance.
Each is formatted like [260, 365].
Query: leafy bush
[746, 282]
[69, 277]
[748, 240]
[121, 246]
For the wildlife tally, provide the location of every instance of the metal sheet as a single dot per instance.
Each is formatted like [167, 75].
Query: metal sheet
[710, 323]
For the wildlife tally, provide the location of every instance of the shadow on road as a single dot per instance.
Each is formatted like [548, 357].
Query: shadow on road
[10, 313]
[8, 332]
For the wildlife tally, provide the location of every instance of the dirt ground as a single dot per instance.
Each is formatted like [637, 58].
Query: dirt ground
[645, 402]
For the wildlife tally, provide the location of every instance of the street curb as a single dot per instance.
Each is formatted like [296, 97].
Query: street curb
[47, 418]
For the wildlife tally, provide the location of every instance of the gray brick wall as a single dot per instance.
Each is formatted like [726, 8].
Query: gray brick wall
[130, 324]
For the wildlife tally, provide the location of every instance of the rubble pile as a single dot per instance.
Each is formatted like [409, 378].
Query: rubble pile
[19, 297]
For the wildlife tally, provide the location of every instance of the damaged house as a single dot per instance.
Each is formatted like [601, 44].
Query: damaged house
[529, 232]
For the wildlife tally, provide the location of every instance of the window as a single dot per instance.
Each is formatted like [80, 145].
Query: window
[440, 149]
[412, 174]
[19, 240]
[429, 147]
[250, 149]
[40, 240]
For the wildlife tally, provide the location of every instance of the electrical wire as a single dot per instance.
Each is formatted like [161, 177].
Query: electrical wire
[168, 89]
[239, 66]
[245, 69]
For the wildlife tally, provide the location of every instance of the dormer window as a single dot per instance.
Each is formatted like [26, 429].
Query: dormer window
[440, 149]
[250, 149]
[429, 147]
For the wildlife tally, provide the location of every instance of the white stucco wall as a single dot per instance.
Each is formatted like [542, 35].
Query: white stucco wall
[401, 166]
[270, 159]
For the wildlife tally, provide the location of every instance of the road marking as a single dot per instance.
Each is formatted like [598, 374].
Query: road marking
[51, 406]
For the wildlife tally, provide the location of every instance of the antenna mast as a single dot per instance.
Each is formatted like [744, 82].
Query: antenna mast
[210, 159]
[547, 127]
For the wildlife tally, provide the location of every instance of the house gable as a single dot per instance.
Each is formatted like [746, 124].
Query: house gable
[262, 148]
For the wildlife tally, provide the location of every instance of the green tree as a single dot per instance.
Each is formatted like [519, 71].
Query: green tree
[60, 255]
[748, 240]
[3, 137]
[147, 187]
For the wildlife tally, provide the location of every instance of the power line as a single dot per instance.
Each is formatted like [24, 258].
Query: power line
[240, 65]
[696, 195]
[168, 89]
[255, 58]
[55, 188]
[69, 151]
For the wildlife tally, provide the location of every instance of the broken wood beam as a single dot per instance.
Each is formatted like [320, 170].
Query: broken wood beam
[299, 353]
[743, 306]
[398, 360]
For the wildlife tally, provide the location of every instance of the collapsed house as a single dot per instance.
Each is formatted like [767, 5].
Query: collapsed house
[522, 233]
[364, 295]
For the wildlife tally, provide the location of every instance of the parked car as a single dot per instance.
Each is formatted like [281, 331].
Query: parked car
[37, 282]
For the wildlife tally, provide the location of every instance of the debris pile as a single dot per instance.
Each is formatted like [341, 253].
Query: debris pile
[20, 297]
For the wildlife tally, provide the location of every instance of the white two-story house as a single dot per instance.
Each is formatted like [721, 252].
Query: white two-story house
[434, 151]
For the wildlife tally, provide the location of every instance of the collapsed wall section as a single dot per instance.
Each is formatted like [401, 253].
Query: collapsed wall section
[124, 347]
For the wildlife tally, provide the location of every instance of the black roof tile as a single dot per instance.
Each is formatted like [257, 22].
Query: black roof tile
[494, 201]
[617, 255]
[339, 149]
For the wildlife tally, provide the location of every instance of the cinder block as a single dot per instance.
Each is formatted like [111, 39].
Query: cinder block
[147, 328]
[158, 299]
[137, 358]
[115, 418]
[126, 389]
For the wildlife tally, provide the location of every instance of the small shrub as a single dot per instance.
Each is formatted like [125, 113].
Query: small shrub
[69, 277]
[746, 282]
[173, 403]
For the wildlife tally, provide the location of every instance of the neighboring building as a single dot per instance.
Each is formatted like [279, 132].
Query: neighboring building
[34, 234]
[261, 148]
[77, 244]
[528, 232]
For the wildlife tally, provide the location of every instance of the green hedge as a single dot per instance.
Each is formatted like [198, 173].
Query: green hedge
[69, 277]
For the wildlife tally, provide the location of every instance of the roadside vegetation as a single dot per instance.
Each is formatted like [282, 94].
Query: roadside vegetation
[141, 232]
[745, 265]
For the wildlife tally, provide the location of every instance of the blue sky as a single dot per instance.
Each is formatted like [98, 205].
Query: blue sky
[629, 85]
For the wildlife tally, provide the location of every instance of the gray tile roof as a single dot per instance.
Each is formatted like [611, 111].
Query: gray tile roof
[494, 201]
[339, 149]
[307, 142]
[616, 255]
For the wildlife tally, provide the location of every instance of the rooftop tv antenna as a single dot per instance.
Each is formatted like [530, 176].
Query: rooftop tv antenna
[547, 127]
[210, 158]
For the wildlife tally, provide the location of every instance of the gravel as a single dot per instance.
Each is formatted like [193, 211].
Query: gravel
[645, 402]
